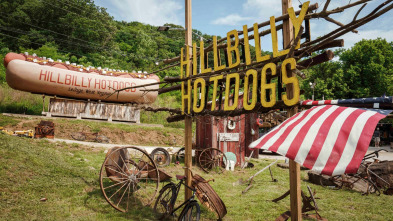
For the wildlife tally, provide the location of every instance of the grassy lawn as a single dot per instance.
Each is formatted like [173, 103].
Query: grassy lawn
[67, 175]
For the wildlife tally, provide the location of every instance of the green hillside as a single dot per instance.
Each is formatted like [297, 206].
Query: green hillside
[83, 33]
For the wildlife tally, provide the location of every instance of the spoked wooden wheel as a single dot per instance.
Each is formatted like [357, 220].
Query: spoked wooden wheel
[128, 177]
[212, 160]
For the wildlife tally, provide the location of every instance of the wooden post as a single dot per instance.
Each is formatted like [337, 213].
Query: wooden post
[294, 168]
[43, 103]
[188, 120]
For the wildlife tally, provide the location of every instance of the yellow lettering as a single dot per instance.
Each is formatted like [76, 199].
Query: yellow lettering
[227, 92]
[215, 86]
[258, 51]
[265, 87]
[290, 80]
[185, 96]
[194, 59]
[202, 83]
[234, 48]
[216, 56]
[246, 45]
[276, 53]
[254, 74]
[202, 57]
[297, 22]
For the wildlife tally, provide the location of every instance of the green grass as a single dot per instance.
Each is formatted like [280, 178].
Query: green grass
[96, 126]
[67, 175]
[19, 102]
[5, 120]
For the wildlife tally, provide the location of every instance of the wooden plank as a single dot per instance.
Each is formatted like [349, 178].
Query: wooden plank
[294, 168]
[188, 120]
[82, 109]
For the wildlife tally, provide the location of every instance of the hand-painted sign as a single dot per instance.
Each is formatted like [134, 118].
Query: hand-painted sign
[194, 93]
[228, 136]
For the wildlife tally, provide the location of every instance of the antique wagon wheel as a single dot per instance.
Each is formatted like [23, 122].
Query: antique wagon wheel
[161, 157]
[128, 177]
[212, 159]
[208, 197]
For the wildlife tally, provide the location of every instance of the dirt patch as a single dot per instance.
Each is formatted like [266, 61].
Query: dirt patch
[118, 136]
[23, 125]
[141, 136]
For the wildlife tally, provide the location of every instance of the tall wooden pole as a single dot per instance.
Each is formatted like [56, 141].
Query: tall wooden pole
[294, 168]
[188, 120]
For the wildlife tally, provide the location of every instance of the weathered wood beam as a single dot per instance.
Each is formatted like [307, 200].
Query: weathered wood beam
[266, 23]
[238, 112]
[321, 58]
[378, 11]
[332, 44]
[322, 14]
[325, 56]
[167, 67]
[341, 28]
[170, 110]
[329, 19]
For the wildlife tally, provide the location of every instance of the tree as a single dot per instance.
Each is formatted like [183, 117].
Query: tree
[368, 68]
[328, 81]
[365, 70]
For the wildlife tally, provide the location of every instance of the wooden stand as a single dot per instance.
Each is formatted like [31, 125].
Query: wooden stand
[81, 109]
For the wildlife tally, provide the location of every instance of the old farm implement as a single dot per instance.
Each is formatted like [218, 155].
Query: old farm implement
[212, 160]
[129, 176]
[209, 159]
[45, 129]
[372, 177]
[165, 203]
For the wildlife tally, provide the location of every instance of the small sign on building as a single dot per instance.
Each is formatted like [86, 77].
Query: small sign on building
[228, 137]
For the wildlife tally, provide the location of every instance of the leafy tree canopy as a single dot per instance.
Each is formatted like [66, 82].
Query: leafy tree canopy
[365, 70]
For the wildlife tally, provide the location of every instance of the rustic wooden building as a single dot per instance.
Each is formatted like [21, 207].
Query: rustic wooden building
[228, 134]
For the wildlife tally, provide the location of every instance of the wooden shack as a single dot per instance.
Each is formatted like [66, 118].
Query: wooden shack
[228, 134]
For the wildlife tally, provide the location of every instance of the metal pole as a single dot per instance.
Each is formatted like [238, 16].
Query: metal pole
[188, 119]
[294, 168]
[313, 92]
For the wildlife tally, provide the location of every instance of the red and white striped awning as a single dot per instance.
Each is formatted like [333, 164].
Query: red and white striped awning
[328, 139]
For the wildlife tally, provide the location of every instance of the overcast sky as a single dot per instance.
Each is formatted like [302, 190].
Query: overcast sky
[217, 17]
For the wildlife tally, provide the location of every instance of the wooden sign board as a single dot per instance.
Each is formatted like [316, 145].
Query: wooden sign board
[194, 93]
[228, 137]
